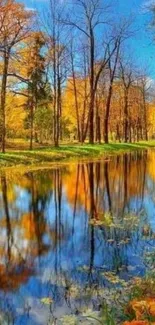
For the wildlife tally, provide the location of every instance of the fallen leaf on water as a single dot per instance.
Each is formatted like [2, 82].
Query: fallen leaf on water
[46, 300]
[124, 241]
[85, 268]
[104, 220]
[74, 291]
[113, 278]
[110, 241]
[95, 222]
[68, 319]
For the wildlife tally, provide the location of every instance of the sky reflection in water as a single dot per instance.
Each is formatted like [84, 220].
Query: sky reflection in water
[48, 247]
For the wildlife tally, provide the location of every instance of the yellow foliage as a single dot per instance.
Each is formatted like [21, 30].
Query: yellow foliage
[15, 115]
[46, 300]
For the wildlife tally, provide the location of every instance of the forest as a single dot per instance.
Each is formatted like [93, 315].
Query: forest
[69, 75]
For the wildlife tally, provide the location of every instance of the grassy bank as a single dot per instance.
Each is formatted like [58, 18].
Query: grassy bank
[48, 155]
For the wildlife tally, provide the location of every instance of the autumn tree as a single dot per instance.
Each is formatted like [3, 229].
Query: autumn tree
[77, 87]
[112, 66]
[145, 89]
[15, 22]
[56, 61]
[127, 77]
[31, 81]
[87, 18]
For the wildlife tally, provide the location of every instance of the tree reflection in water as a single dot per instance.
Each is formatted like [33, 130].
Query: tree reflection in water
[50, 248]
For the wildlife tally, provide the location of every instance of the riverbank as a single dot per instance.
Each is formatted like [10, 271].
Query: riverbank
[48, 155]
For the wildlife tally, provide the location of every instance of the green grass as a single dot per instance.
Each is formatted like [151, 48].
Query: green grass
[48, 155]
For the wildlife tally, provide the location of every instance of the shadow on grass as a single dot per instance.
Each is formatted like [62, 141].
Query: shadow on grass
[64, 152]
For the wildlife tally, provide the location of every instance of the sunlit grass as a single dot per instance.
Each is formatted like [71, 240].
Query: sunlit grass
[51, 154]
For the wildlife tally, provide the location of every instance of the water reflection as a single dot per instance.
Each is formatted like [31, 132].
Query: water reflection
[50, 247]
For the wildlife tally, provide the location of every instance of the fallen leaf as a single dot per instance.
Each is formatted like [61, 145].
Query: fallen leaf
[46, 300]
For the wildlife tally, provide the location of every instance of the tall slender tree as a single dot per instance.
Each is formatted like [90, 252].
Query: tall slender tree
[37, 80]
[15, 25]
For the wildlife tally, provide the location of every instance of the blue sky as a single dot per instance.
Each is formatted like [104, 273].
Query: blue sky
[142, 45]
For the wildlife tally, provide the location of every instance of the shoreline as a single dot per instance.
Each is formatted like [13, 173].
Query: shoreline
[50, 156]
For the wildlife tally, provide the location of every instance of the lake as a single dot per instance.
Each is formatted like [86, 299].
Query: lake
[71, 234]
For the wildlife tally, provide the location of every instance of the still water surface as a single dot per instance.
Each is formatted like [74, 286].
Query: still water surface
[70, 232]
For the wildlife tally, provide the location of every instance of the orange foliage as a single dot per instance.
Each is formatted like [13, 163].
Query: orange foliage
[116, 119]
[28, 224]
[138, 322]
[13, 279]
[151, 119]
[143, 307]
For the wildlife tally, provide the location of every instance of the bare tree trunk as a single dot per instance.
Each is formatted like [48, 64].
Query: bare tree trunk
[3, 98]
[129, 128]
[60, 109]
[31, 125]
[55, 93]
[126, 118]
[99, 129]
[84, 123]
[107, 113]
[110, 92]
[118, 133]
[145, 118]
[75, 97]
[92, 92]
[96, 119]
[58, 112]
